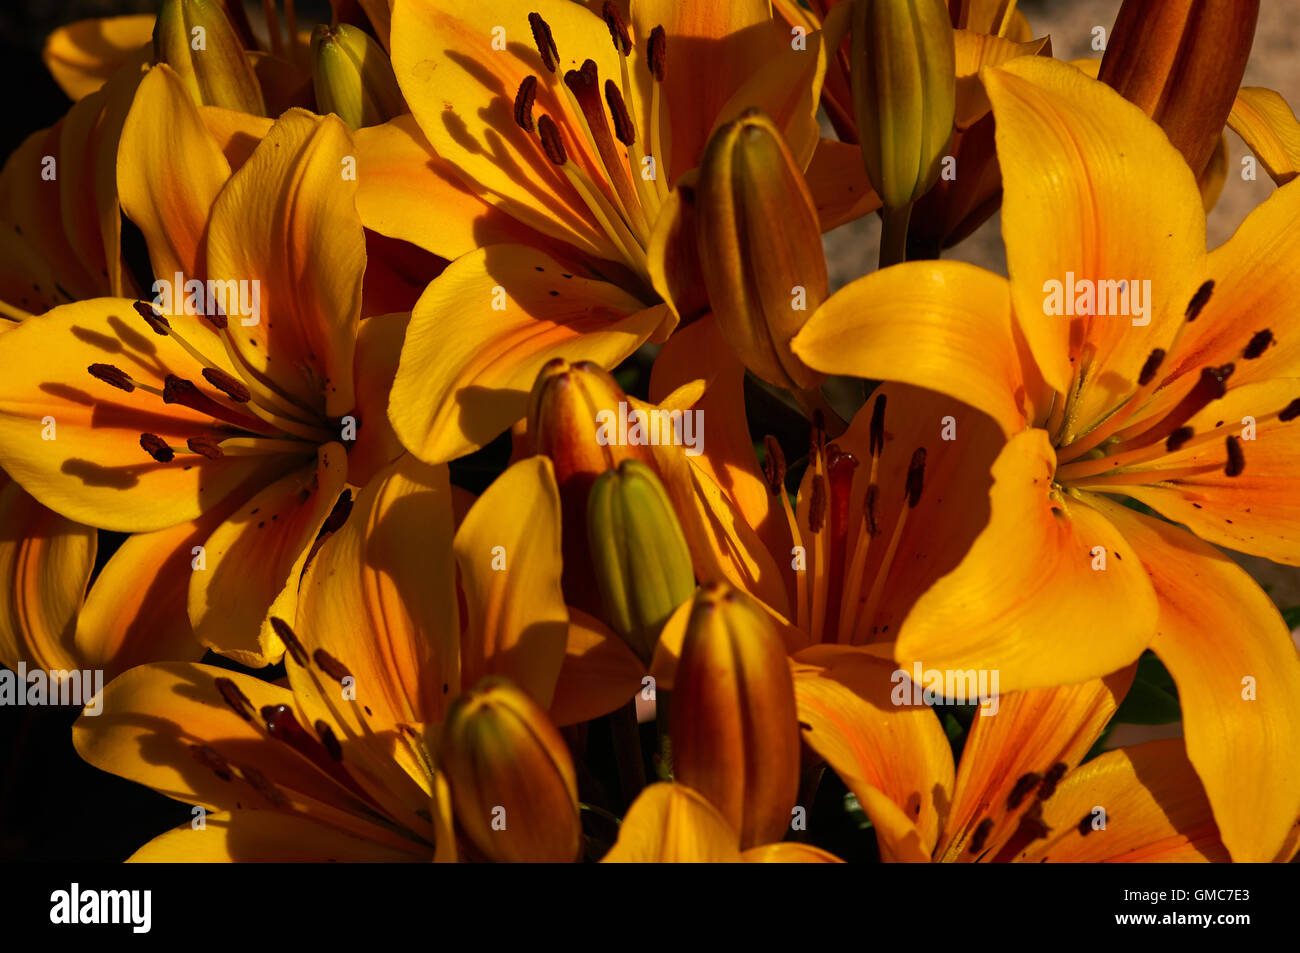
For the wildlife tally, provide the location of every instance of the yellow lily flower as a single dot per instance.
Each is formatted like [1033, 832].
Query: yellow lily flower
[1181, 403]
[237, 427]
[400, 614]
[579, 127]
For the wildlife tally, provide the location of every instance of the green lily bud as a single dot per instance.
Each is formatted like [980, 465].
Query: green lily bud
[760, 247]
[197, 39]
[513, 786]
[353, 77]
[642, 563]
[904, 93]
[735, 729]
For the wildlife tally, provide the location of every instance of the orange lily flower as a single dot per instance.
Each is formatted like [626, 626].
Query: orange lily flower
[239, 429]
[347, 762]
[1181, 403]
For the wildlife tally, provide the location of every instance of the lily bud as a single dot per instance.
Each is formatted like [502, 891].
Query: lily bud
[198, 41]
[760, 247]
[641, 561]
[735, 730]
[513, 786]
[353, 77]
[566, 410]
[904, 93]
[1182, 62]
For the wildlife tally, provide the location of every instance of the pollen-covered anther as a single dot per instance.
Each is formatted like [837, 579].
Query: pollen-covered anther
[544, 41]
[152, 316]
[773, 465]
[1150, 366]
[1199, 301]
[232, 387]
[524, 99]
[915, 477]
[552, 143]
[981, 834]
[617, 27]
[817, 505]
[290, 640]
[869, 504]
[657, 52]
[624, 129]
[205, 447]
[113, 376]
[235, 698]
[157, 447]
[1260, 342]
[330, 665]
[1236, 458]
[1178, 438]
[877, 442]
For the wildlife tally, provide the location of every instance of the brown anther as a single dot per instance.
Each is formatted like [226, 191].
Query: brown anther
[235, 698]
[524, 99]
[773, 465]
[869, 509]
[211, 758]
[232, 387]
[1290, 412]
[877, 443]
[624, 129]
[544, 41]
[1236, 458]
[1051, 780]
[1153, 362]
[217, 319]
[617, 27]
[657, 52]
[156, 447]
[1198, 301]
[817, 505]
[330, 665]
[152, 316]
[1026, 784]
[915, 477]
[982, 831]
[329, 740]
[205, 447]
[1178, 438]
[1259, 343]
[552, 144]
[111, 375]
[289, 639]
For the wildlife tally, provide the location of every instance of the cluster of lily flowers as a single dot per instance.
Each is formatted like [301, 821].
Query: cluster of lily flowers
[557, 229]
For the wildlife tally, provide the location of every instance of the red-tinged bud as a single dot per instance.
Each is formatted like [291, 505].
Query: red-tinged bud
[735, 731]
[512, 782]
[197, 39]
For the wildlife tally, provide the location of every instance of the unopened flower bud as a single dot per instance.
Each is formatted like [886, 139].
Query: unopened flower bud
[353, 77]
[198, 41]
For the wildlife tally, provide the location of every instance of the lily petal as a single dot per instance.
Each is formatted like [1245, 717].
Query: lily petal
[600, 673]
[789, 852]
[83, 55]
[1268, 125]
[671, 824]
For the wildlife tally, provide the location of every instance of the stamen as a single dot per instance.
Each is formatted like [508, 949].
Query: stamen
[205, 447]
[330, 665]
[552, 144]
[544, 41]
[1236, 458]
[178, 390]
[773, 464]
[1153, 362]
[657, 52]
[877, 442]
[1198, 302]
[1260, 343]
[817, 505]
[153, 317]
[869, 504]
[617, 27]
[113, 376]
[840, 470]
[524, 100]
[156, 447]
[235, 698]
[584, 84]
[624, 129]
[235, 389]
[289, 639]
[1212, 385]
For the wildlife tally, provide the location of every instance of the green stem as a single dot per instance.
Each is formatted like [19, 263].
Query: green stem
[893, 234]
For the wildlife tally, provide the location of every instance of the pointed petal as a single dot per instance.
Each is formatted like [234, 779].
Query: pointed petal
[1238, 675]
[1156, 811]
[1026, 600]
[378, 351]
[1263, 118]
[484, 328]
[1092, 187]
[789, 852]
[671, 824]
[508, 551]
[600, 673]
[83, 54]
[839, 184]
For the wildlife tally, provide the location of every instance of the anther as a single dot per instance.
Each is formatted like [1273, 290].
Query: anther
[524, 100]
[552, 144]
[289, 639]
[1236, 458]
[657, 52]
[544, 41]
[773, 465]
[1259, 343]
[915, 477]
[877, 443]
[330, 665]
[617, 27]
[232, 387]
[205, 447]
[1153, 362]
[869, 509]
[235, 698]
[817, 505]
[1178, 438]
[1198, 301]
[152, 316]
[156, 447]
[624, 130]
[113, 376]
